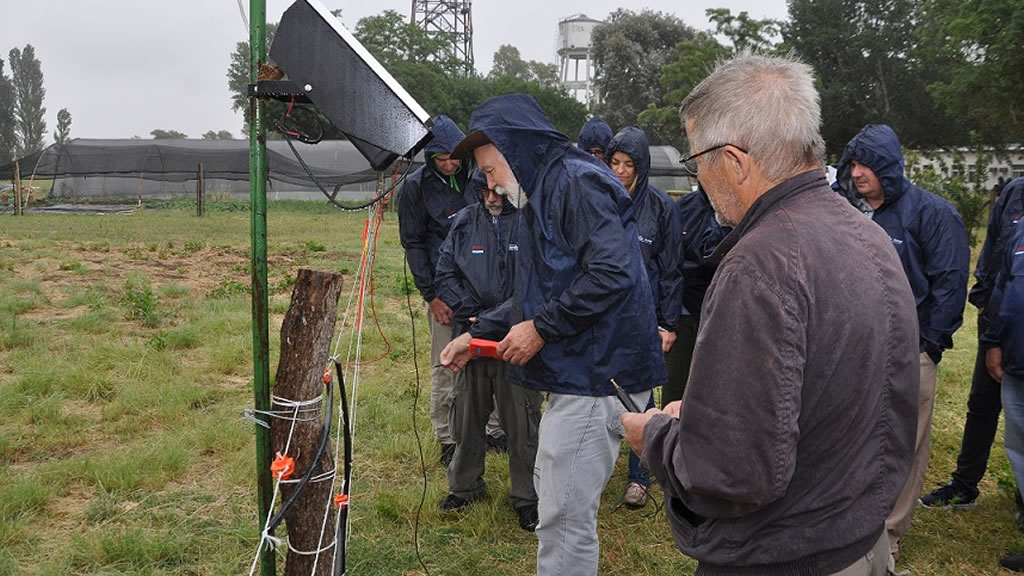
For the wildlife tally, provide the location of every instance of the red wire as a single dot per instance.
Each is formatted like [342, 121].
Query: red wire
[378, 219]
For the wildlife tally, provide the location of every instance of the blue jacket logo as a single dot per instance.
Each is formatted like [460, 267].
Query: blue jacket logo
[896, 241]
[477, 249]
[645, 240]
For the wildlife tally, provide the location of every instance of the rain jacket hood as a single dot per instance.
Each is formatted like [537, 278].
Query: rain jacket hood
[633, 142]
[878, 148]
[446, 137]
[596, 133]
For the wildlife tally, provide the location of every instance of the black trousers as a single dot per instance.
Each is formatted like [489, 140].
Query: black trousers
[983, 406]
[678, 359]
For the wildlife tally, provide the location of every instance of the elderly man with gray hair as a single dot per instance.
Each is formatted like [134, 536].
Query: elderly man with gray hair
[788, 461]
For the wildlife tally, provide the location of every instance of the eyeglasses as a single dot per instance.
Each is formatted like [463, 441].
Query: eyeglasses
[690, 162]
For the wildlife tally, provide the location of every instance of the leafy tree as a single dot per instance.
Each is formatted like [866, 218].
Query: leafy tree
[508, 62]
[693, 62]
[862, 52]
[391, 39]
[978, 50]
[63, 133]
[27, 78]
[159, 134]
[630, 50]
[957, 181]
[744, 32]
[8, 137]
[219, 135]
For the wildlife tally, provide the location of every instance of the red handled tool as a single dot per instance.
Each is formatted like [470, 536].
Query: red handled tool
[484, 348]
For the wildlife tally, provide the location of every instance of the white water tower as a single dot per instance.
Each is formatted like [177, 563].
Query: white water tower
[576, 72]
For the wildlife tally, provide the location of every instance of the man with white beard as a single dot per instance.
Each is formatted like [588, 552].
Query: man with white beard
[581, 315]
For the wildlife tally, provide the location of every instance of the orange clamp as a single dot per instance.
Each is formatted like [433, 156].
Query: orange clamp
[327, 375]
[341, 500]
[282, 467]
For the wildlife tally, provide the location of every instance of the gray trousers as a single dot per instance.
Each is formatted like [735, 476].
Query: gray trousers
[480, 389]
[579, 443]
[442, 382]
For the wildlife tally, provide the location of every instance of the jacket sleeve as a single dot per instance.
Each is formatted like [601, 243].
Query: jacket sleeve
[746, 460]
[448, 281]
[984, 273]
[494, 323]
[590, 219]
[946, 265]
[669, 259]
[413, 232]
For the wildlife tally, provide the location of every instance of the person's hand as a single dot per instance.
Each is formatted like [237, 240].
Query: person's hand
[633, 424]
[673, 408]
[667, 340]
[520, 344]
[994, 363]
[440, 311]
[456, 354]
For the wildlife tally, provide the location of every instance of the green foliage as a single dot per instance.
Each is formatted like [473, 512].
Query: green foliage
[391, 38]
[27, 79]
[630, 50]
[219, 135]
[63, 133]
[977, 49]
[508, 62]
[227, 289]
[139, 301]
[159, 134]
[863, 53]
[956, 181]
[313, 246]
[194, 245]
[8, 136]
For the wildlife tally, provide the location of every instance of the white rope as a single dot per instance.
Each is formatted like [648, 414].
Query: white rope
[245, 19]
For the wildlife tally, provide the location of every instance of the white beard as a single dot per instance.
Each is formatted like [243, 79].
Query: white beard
[514, 193]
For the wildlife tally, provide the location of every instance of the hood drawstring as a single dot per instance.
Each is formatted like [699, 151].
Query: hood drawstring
[453, 183]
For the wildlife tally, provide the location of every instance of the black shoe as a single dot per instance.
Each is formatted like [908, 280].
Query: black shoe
[447, 453]
[528, 518]
[453, 502]
[951, 496]
[497, 444]
[1014, 562]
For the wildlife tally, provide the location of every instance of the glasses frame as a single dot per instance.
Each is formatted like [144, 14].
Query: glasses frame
[685, 161]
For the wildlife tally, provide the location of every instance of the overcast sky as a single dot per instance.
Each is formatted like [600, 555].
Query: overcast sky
[126, 67]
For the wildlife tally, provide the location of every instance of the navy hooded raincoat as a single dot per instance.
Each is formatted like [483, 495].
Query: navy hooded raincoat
[1008, 211]
[596, 133]
[926, 231]
[658, 226]
[427, 204]
[1005, 313]
[580, 275]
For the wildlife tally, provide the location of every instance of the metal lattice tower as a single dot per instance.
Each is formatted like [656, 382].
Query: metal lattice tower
[451, 18]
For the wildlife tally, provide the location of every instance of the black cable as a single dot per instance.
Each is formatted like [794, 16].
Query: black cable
[341, 535]
[332, 197]
[321, 446]
[415, 429]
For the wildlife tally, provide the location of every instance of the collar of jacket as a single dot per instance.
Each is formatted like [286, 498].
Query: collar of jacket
[764, 204]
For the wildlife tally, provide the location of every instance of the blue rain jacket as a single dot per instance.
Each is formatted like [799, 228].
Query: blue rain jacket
[926, 231]
[580, 276]
[596, 133]
[701, 234]
[427, 203]
[1008, 210]
[1005, 311]
[477, 265]
[658, 226]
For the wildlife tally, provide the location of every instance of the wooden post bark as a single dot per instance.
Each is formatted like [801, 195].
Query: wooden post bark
[305, 351]
[17, 189]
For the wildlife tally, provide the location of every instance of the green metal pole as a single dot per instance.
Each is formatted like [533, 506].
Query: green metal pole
[258, 245]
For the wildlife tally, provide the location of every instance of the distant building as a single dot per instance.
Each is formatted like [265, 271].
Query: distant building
[1008, 165]
[576, 72]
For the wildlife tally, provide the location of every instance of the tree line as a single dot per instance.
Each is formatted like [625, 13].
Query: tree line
[22, 123]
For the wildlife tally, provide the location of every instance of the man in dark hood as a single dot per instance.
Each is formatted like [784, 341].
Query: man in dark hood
[658, 229]
[428, 201]
[594, 137]
[581, 315]
[929, 236]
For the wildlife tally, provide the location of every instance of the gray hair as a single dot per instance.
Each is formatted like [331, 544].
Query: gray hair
[766, 105]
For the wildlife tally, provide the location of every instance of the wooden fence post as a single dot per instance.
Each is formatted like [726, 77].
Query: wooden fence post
[200, 192]
[17, 189]
[305, 351]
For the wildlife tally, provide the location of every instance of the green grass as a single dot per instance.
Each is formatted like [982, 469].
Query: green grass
[125, 363]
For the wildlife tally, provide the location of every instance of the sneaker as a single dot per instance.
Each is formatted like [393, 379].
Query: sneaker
[950, 496]
[447, 453]
[1014, 562]
[528, 518]
[453, 502]
[635, 495]
[497, 444]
